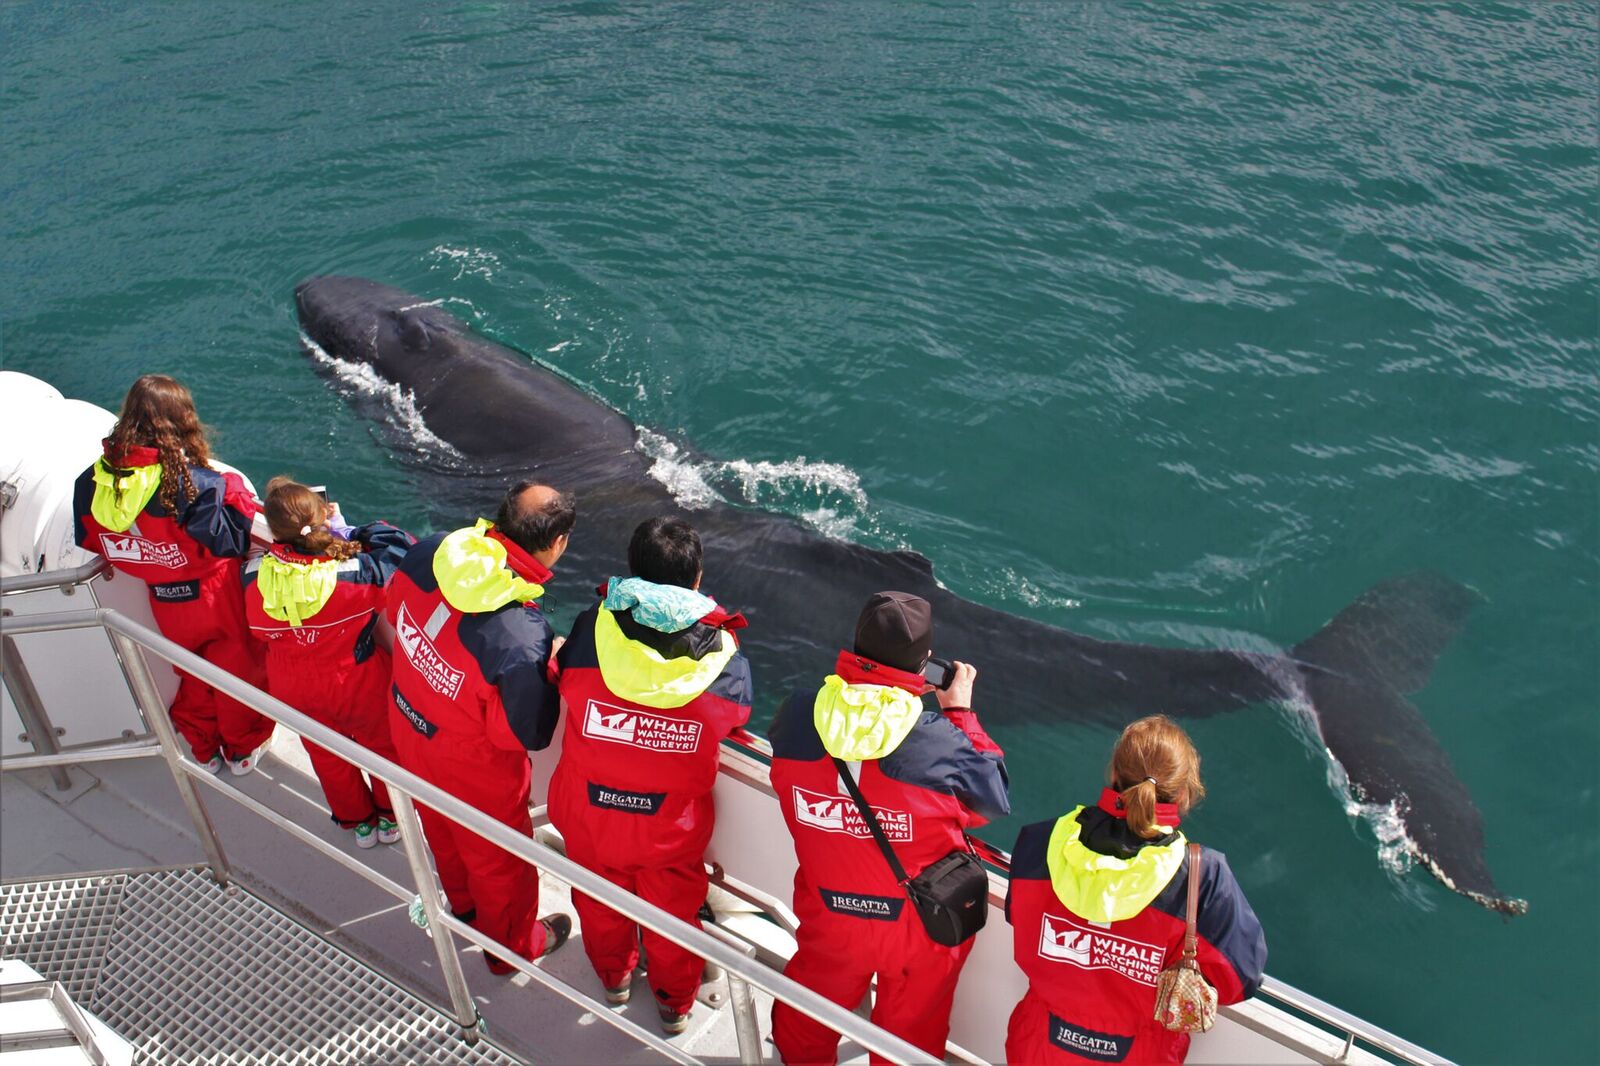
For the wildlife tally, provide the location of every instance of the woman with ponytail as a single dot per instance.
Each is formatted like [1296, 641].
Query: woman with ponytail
[1097, 904]
[157, 509]
[314, 599]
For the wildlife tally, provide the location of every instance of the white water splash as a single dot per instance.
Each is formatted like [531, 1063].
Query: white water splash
[1397, 851]
[826, 496]
[401, 404]
[679, 473]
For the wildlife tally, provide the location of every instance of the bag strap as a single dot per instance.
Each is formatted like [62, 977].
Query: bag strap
[1191, 938]
[871, 819]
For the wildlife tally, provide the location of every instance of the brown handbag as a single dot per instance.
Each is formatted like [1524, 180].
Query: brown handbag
[1185, 1003]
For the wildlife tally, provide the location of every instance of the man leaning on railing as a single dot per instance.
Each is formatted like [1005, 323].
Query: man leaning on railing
[472, 696]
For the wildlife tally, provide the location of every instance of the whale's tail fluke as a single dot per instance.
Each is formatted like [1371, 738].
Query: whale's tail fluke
[1357, 670]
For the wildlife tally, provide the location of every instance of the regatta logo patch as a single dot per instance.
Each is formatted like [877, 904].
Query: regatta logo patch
[616, 799]
[421, 654]
[641, 729]
[839, 814]
[1103, 1047]
[176, 592]
[1064, 940]
[127, 548]
[856, 905]
[412, 715]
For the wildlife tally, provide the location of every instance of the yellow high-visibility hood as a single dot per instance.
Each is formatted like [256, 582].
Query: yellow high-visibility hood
[119, 497]
[294, 591]
[859, 722]
[1104, 888]
[473, 574]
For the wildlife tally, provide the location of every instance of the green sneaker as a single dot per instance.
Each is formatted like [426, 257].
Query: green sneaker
[366, 835]
[388, 831]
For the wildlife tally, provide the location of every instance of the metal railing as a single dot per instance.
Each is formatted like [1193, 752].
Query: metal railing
[55, 579]
[717, 947]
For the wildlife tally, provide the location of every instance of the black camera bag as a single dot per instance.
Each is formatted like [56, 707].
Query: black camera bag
[951, 894]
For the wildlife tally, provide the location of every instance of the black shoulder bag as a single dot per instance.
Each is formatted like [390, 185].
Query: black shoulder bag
[951, 895]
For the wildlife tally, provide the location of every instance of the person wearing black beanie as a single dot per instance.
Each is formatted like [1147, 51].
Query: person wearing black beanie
[929, 775]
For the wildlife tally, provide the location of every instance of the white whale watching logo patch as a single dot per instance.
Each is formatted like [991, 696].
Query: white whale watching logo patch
[421, 653]
[641, 729]
[128, 548]
[1064, 940]
[838, 814]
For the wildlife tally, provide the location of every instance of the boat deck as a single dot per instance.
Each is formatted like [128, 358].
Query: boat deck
[308, 964]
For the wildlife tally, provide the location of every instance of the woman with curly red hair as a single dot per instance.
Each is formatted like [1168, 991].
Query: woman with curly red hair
[157, 509]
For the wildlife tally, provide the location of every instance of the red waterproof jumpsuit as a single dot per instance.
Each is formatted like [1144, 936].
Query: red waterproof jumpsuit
[646, 714]
[471, 697]
[1097, 912]
[190, 559]
[928, 776]
[316, 615]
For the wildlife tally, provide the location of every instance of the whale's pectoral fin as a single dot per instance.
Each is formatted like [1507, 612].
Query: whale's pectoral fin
[1356, 669]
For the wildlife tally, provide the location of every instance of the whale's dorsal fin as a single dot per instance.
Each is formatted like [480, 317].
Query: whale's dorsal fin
[916, 560]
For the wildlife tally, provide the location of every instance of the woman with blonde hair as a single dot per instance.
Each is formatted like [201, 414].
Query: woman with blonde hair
[1097, 904]
[314, 599]
[157, 509]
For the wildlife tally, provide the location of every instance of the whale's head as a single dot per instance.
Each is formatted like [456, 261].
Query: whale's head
[357, 320]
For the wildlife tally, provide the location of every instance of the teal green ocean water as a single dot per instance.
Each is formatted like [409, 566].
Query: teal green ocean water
[1157, 322]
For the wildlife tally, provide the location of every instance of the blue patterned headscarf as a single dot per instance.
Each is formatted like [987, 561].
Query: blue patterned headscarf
[663, 608]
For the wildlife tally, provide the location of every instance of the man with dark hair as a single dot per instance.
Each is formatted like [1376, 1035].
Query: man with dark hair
[472, 696]
[651, 682]
[929, 775]
[666, 551]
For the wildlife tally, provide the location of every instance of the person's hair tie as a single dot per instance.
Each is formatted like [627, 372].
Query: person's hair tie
[305, 531]
[1152, 781]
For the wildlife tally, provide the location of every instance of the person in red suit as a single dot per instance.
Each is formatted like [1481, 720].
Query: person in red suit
[929, 775]
[1098, 904]
[472, 695]
[314, 601]
[155, 508]
[652, 680]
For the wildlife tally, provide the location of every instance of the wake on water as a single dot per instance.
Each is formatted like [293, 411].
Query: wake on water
[359, 381]
[826, 496]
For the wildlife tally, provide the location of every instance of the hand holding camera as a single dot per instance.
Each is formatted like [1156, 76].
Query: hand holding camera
[952, 681]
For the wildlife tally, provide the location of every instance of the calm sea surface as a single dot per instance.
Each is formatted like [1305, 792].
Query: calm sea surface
[1163, 323]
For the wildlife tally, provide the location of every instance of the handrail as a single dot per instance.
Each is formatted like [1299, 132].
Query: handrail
[54, 579]
[539, 855]
[1343, 1020]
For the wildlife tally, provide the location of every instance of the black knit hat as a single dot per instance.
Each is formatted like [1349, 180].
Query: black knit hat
[895, 629]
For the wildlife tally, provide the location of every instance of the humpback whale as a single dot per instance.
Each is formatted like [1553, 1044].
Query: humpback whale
[507, 416]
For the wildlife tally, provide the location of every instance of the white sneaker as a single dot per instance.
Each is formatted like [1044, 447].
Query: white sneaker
[214, 763]
[366, 836]
[240, 767]
[388, 831]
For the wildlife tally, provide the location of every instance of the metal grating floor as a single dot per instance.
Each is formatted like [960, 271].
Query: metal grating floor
[61, 928]
[190, 973]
